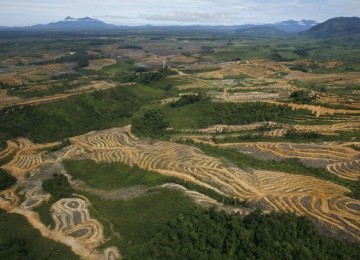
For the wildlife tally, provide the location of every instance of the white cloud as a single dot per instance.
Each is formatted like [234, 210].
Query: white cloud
[17, 12]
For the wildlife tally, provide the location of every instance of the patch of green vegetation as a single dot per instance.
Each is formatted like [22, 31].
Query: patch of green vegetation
[80, 57]
[291, 136]
[136, 220]
[132, 47]
[299, 67]
[346, 67]
[149, 92]
[117, 175]
[249, 53]
[4, 85]
[167, 86]
[78, 115]
[64, 83]
[186, 100]
[19, 240]
[151, 76]
[58, 186]
[279, 56]
[150, 124]
[350, 135]
[303, 97]
[304, 137]
[117, 69]
[110, 176]
[6, 180]
[336, 52]
[215, 235]
[203, 114]
[166, 82]
[45, 214]
[200, 70]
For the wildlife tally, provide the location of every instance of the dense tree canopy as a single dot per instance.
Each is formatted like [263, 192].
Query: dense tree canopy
[214, 235]
[150, 124]
[6, 180]
[70, 117]
[58, 186]
[230, 113]
[302, 96]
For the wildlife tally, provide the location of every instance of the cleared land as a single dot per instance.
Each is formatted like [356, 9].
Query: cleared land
[119, 145]
[289, 109]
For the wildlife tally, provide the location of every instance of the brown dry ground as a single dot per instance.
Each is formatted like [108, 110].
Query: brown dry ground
[180, 59]
[6, 101]
[74, 225]
[255, 68]
[32, 73]
[317, 110]
[264, 81]
[279, 191]
[322, 200]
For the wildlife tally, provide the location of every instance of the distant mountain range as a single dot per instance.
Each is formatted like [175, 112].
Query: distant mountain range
[336, 27]
[90, 24]
[263, 31]
[295, 26]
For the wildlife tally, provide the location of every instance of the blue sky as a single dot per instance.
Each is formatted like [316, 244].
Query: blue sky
[171, 12]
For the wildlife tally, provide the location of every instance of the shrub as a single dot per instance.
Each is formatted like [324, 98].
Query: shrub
[302, 96]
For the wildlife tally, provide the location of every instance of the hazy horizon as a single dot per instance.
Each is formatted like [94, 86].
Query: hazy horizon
[183, 12]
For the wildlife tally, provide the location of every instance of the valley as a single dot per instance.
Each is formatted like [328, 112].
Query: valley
[114, 138]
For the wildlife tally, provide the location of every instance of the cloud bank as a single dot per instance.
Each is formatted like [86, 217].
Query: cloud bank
[179, 12]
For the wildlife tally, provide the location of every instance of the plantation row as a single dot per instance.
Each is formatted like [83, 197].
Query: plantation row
[275, 190]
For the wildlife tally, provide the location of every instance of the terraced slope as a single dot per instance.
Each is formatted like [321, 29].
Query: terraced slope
[72, 218]
[27, 156]
[322, 200]
[340, 160]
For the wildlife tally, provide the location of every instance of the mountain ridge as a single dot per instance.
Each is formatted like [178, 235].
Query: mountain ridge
[88, 23]
[335, 27]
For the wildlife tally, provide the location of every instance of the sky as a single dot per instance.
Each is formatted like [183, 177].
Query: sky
[174, 12]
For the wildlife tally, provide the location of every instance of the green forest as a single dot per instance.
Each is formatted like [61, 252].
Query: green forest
[215, 235]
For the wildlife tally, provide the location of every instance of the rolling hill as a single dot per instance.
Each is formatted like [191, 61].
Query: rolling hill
[335, 27]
